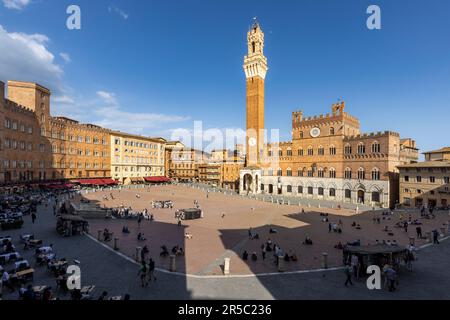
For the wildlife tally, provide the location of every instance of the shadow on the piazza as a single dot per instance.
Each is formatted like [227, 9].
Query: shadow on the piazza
[155, 237]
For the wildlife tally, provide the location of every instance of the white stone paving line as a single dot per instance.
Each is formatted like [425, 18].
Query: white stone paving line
[237, 275]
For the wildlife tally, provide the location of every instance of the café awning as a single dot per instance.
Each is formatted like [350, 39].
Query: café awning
[157, 179]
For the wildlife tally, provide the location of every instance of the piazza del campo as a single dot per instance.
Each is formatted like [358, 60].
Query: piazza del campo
[268, 220]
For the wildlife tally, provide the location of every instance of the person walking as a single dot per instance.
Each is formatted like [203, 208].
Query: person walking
[33, 217]
[348, 273]
[355, 266]
[263, 251]
[6, 281]
[391, 275]
[435, 237]
[151, 270]
[143, 273]
[419, 232]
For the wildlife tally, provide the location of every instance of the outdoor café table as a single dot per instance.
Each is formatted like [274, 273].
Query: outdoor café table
[7, 257]
[39, 291]
[57, 265]
[87, 289]
[2, 249]
[26, 237]
[45, 257]
[5, 240]
[25, 274]
[34, 242]
[44, 250]
[22, 265]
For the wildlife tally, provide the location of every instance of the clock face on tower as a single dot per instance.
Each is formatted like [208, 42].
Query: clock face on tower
[315, 132]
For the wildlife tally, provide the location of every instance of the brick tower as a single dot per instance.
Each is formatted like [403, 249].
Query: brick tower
[255, 67]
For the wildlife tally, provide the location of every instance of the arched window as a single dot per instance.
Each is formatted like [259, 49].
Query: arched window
[280, 153]
[375, 174]
[300, 172]
[301, 134]
[310, 190]
[332, 192]
[270, 172]
[289, 152]
[289, 172]
[289, 189]
[332, 150]
[300, 152]
[361, 148]
[375, 196]
[310, 173]
[348, 149]
[300, 190]
[320, 191]
[361, 174]
[279, 172]
[348, 194]
[331, 131]
[321, 151]
[269, 153]
[320, 173]
[310, 151]
[376, 148]
[332, 173]
[348, 173]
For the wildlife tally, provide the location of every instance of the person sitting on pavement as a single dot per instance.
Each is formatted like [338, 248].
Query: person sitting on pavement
[339, 246]
[308, 241]
[245, 255]
[164, 251]
[141, 237]
[106, 235]
[254, 256]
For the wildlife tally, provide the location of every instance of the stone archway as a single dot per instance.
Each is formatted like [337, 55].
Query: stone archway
[361, 196]
[248, 183]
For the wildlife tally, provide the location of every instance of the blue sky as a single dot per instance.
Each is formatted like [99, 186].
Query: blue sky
[151, 67]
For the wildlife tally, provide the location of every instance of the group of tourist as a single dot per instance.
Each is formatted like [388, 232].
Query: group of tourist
[147, 272]
[123, 212]
[266, 247]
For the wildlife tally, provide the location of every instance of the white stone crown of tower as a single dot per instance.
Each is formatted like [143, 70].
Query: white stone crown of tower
[255, 63]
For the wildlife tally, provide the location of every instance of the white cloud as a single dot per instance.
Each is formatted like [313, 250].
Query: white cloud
[138, 123]
[108, 97]
[27, 57]
[120, 12]
[105, 110]
[16, 4]
[63, 99]
[65, 57]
